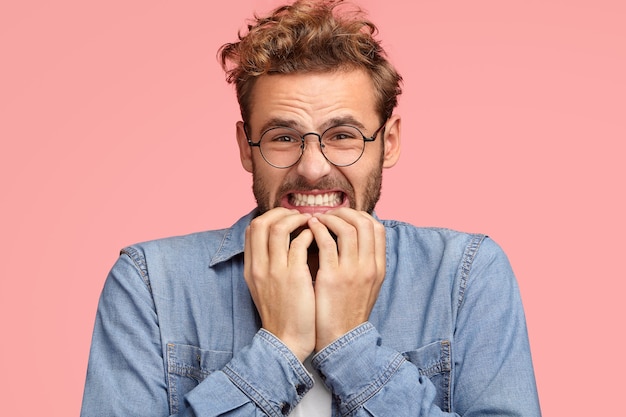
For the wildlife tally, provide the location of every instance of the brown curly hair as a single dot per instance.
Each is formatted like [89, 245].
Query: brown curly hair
[309, 36]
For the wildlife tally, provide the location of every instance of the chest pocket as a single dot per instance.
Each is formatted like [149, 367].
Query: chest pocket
[433, 362]
[187, 366]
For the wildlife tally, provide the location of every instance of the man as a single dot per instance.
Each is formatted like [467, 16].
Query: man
[311, 305]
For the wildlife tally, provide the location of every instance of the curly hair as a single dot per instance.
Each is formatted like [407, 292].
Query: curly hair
[310, 36]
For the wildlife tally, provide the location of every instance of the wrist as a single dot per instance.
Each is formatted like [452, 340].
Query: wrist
[295, 345]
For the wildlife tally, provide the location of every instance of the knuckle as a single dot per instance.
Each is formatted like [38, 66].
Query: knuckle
[256, 271]
[257, 223]
[350, 232]
[367, 225]
[278, 229]
[275, 271]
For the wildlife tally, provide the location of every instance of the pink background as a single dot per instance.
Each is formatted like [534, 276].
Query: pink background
[117, 126]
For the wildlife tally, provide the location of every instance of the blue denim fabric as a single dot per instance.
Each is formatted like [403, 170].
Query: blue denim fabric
[177, 333]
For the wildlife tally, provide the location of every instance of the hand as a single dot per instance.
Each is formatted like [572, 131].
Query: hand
[279, 279]
[351, 271]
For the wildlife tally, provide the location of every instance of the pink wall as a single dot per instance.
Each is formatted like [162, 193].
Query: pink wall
[117, 126]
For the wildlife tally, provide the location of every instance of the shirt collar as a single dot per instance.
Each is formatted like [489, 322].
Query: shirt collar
[234, 239]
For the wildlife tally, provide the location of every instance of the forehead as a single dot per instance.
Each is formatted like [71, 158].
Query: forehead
[312, 100]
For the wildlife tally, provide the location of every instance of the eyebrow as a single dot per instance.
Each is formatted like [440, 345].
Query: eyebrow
[278, 122]
[341, 120]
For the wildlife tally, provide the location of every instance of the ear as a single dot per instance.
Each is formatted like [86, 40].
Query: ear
[392, 141]
[245, 150]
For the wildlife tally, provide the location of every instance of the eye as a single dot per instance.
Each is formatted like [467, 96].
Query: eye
[285, 138]
[340, 136]
[341, 133]
[280, 135]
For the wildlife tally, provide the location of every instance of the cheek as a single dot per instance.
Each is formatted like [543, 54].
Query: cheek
[269, 179]
[361, 174]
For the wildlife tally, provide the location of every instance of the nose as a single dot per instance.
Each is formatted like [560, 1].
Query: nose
[313, 165]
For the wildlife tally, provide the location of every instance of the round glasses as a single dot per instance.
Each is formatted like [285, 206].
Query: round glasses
[341, 145]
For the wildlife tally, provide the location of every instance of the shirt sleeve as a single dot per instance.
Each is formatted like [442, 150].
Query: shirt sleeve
[492, 372]
[126, 373]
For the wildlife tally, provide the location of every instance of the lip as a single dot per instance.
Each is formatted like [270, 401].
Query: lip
[285, 201]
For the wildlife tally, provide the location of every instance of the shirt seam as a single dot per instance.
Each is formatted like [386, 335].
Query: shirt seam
[140, 263]
[466, 264]
[254, 394]
[294, 363]
[250, 391]
[341, 342]
[374, 387]
[377, 384]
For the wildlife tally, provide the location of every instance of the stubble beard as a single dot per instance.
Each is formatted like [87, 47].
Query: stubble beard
[370, 197]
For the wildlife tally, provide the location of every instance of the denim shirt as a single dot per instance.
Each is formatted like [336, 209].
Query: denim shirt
[177, 333]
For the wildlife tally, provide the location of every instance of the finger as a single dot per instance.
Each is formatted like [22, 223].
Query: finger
[327, 246]
[381, 248]
[344, 224]
[369, 232]
[258, 236]
[279, 235]
[298, 250]
[247, 254]
[372, 243]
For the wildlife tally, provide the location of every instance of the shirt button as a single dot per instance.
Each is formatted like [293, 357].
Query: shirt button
[300, 389]
[285, 408]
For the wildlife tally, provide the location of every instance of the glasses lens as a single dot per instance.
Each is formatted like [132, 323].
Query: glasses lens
[343, 145]
[281, 146]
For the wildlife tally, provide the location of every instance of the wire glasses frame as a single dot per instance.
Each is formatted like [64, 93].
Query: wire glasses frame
[288, 136]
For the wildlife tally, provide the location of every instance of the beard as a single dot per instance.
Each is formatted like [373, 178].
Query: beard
[370, 197]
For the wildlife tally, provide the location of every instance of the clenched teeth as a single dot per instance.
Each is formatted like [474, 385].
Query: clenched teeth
[322, 200]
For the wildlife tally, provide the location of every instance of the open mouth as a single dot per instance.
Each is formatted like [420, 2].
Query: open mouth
[331, 199]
